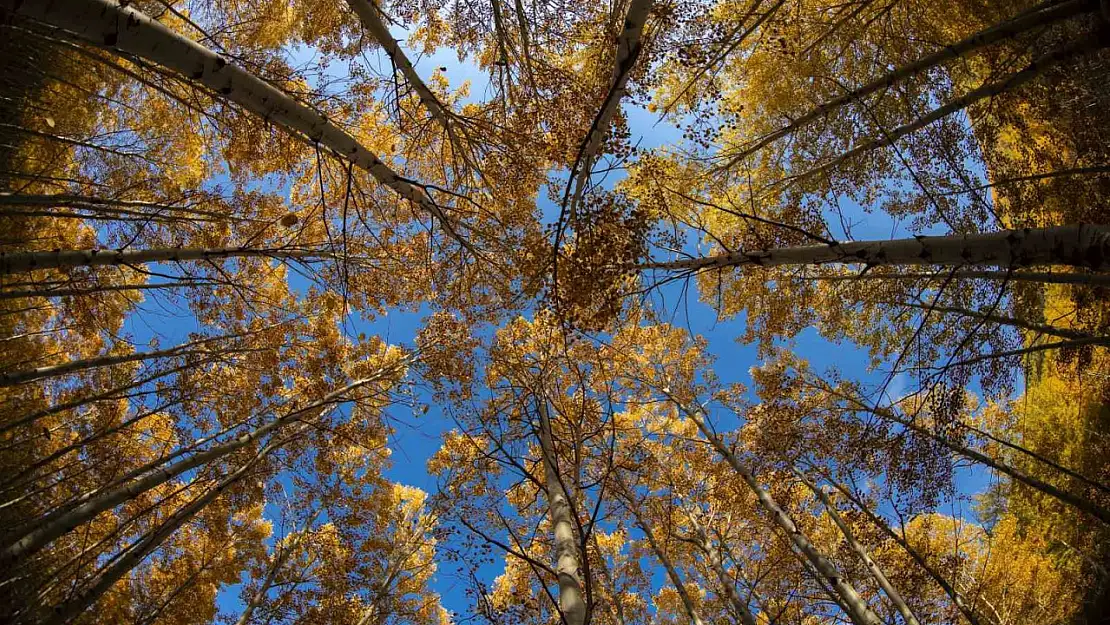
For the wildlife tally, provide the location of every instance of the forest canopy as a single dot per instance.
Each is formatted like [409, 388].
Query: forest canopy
[632, 312]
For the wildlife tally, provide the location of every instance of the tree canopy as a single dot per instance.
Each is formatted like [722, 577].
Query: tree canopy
[635, 312]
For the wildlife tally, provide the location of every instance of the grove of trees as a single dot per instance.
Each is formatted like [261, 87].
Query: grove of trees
[211, 210]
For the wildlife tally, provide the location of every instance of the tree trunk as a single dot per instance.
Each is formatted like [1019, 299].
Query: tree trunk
[370, 15]
[715, 563]
[856, 608]
[1076, 246]
[93, 289]
[628, 50]
[1078, 502]
[12, 378]
[65, 520]
[1039, 328]
[861, 551]
[138, 551]
[949, 590]
[672, 573]
[571, 603]
[108, 23]
[981, 39]
[276, 563]
[22, 262]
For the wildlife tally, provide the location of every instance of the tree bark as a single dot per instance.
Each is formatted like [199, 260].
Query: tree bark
[1077, 246]
[138, 551]
[571, 603]
[1078, 502]
[108, 23]
[856, 608]
[715, 563]
[65, 520]
[861, 551]
[949, 590]
[370, 15]
[995, 318]
[13, 378]
[672, 573]
[981, 39]
[21, 262]
[628, 50]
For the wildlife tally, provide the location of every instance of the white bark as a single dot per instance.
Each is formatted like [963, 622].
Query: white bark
[21, 262]
[628, 50]
[108, 23]
[718, 566]
[1080, 503]
[370, 15]
[138, 551]
[951, 591]
[87, 507]
[12, 378]
[856, 608]
[571, 602]
[672, 573]
[1078, 246]
[861, 551]
[981, 39]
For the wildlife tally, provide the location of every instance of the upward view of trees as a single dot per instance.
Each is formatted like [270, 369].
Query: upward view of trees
[766, 312]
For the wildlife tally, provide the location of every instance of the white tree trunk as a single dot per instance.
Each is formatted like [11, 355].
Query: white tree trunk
[981, 39]
[715, 563]
[12, 378]
[138, 551]
[1080, 503]
[672, 573]
[85, 508]
[856, 608]
[628, 50]
[21, 262]
[571, 602]
[861, 551]
[370, 15]
[108, 23]
[951, 591]
[1077, 246]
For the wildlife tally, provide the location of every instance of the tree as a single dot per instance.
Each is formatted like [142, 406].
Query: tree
[215, 213]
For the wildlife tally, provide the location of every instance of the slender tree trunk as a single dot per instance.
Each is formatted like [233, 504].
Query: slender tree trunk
[856, 608]
[21, 262]
[67, 519]
[1077, 246]
[948, 589]
[134, 208]
[1089, 279]
[999, 319]
[371, 16]
[92, 289]
[108, 23]
[277, 561]
[715, 563]
[672, 572]
[861, 551]
[138, 551]
[617, 608]
[981, 39]
[525, 42]
[571, 602]
[1079, 503]
[890, 137]
[13, 378]
[119, 392]
[628, 50]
